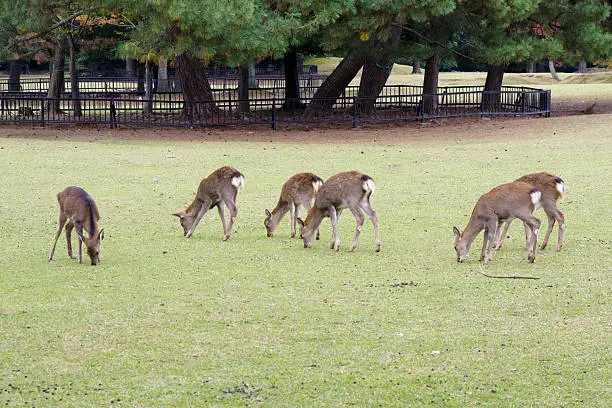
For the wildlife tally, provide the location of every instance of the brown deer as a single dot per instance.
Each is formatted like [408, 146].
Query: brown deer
[553, 189]
[218, 189]
[512, 200]
[299, 190]
[351, 190]
[80, 211]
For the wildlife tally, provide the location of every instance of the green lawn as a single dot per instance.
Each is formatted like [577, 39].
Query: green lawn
[168, 321]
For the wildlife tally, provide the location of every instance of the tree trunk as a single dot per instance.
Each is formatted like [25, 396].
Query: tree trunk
[74, 78]
[243, 89]
[292, 81]
[553, 71]
[531, 67]
[373, 78]
[56, 83]
[491, 97]
[140, 78]
[430, 81]
[130, 67]
[335, 84]
[582, 67]
[195, 86]
[14, 83]
[147, 106]
[252, 76]
[416, 67]
[162, 75]
[376, 71]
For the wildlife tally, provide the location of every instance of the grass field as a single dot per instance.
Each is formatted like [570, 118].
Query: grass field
[169, 321]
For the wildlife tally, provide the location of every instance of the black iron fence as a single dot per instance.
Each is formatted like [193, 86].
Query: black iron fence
[121, 84]
[395, 103]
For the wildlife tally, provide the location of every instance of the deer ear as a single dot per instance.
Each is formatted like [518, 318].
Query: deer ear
[101, 234]
[268, 215]
[299, 220]
[456, 232]
[179, 214]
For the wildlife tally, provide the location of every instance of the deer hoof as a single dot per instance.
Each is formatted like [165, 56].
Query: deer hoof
[225, 238]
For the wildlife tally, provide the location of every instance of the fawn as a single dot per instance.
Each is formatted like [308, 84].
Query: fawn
[218, 189]
[512, 200]
[351, 190]
[553, 189]
[300, 189]
[80, 211]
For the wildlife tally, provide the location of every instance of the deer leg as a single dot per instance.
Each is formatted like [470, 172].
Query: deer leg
[490, 233]
[333, 216]
[231, 205]
[561, 221]
[205, 205]
[484, 244]
[502, 236]
[365, 204]
[61, 222]
[534, 225]
[293, 213]
[221, 210]
[79, 231]
[551, 224]
[359, 218]
[527, 236]
[69, 228]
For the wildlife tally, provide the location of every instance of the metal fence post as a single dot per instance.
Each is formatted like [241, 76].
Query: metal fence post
[548, 103]
[112, 118]
[354, 112]
[42, 112]
[274, 114]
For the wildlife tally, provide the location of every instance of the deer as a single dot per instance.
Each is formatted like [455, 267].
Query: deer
[351, 190]
[219, 189]
[299, 191]
[507, 201]
[80, 211]
[553, 189]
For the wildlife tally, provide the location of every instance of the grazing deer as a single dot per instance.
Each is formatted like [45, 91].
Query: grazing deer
[218, 189]
[553, 189]
[351, 190]
[512, 200]
[300, 189]
[80, 211]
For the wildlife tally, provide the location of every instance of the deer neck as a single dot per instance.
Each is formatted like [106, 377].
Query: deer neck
[314, 219]
[194, 207]
[279, 211]
[472, 229]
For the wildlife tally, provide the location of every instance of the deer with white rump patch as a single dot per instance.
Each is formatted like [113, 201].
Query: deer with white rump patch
[80, 211]
[218, 189]
[504, 202]
[351, 190]
[299, 190]
[553, 190]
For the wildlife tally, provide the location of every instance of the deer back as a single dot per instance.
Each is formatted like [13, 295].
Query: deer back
[221, 184]
[508, 200]
[301, 187]
[552, 187]
[345, 190]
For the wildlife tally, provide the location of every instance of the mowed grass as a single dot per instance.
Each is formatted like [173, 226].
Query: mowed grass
[169, 321]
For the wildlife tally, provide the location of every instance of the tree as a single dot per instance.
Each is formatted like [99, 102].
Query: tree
[194, 33]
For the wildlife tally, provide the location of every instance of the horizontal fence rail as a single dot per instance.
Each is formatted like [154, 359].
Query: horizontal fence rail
[268, 106]
[133, 84]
